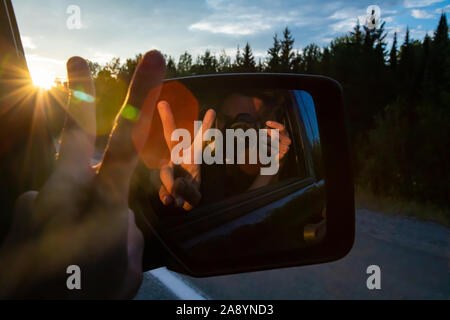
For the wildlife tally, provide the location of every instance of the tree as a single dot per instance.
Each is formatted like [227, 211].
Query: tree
[406, 65]
[238, 61]
[312, 56]
[248, 61]
[287, 54]
[357, 34]
[171, 67]
[438, 68]
[297, 63]
[326, 62]
[224, 63]
[397, 101]
[273, 58]
[393, 54]
[127, 69]
[94, 67]
[113, 67]
[184, 64]
[205, 64]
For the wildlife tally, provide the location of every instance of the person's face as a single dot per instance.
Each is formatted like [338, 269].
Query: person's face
[236, 104]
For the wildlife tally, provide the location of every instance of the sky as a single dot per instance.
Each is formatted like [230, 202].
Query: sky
[112, 28]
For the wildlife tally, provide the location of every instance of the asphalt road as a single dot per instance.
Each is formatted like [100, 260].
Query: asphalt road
[414, 258]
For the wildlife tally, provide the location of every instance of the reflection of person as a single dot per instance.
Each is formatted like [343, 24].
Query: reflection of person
[81, 215]
[181, 184]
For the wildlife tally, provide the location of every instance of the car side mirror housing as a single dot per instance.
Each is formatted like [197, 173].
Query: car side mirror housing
[247, 221]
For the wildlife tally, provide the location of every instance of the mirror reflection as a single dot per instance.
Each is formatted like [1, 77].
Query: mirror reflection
[231, 165]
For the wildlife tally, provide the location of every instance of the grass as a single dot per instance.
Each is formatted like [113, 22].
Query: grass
[398, 207]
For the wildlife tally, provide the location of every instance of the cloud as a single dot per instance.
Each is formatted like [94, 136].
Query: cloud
[443, 9]
[347, 19]
[421, 14]
[242, 25]
[235, 18]
[100, 57]
[420, 3]
[27, 42]
[42, 59]
[418, 33]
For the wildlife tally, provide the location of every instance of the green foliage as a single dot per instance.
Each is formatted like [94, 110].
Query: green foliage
[398, 102]
[273, 56]
[286, 55]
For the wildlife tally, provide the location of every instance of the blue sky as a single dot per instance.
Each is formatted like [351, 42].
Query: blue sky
[112, 28]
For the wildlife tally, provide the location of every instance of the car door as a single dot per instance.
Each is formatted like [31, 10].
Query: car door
[26, 146]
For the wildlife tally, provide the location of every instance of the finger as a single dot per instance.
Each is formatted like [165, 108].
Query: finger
[165, 196]
[187, 206]
[276, 125]
[121, 155]
[191, 194]
[187, 191]
[198, 143]
[168, 122]
[283, 137]
[208, 119]
[78, 136]
[283, 149]
[166, 175]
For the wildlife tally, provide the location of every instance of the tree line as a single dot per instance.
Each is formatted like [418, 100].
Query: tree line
[398, 99]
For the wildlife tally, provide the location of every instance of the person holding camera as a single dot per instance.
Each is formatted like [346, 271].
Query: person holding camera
[181, 185]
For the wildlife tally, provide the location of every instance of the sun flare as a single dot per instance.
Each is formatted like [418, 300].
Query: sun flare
[42, 79]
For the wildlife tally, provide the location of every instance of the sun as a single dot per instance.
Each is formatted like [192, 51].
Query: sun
[42, 78]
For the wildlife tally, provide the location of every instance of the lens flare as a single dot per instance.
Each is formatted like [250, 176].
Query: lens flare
[42, 79]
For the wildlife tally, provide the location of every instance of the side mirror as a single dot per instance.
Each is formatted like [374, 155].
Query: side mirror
[300, 212]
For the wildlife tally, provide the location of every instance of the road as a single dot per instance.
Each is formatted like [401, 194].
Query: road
[414, 258]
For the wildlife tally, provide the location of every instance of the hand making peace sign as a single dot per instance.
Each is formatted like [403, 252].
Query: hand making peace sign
[181, 183]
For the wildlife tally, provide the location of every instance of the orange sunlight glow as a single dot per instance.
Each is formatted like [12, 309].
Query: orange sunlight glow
[42, 78]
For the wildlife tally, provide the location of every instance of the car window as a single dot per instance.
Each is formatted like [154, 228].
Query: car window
[249, 112]
[305, 105]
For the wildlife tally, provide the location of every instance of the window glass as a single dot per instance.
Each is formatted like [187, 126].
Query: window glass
[243, 145]
[307, 109]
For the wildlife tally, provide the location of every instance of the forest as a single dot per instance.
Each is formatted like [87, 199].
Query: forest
[397, 98]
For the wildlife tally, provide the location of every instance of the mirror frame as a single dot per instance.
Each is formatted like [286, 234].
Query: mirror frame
[333, 129]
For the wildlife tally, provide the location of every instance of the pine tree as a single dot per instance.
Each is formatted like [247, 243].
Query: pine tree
[326, 62]
[393, 53]
[312, 56]
[287, 45]
[438, 71]
[238, 61]
[406, 64]
[441, 33]
[224, 63]
[171, 68]
[248, 61]
[297, 63]
[260, 67]
[208, 62]
[273, 59]
[357, 34]
[184, 64]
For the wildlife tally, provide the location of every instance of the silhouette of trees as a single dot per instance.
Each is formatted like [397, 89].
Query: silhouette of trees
[273, 56]
[398, 101]
[286, 54]
[248, 61]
